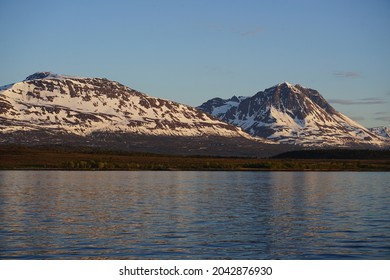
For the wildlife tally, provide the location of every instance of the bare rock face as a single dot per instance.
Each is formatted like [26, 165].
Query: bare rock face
[292, 114]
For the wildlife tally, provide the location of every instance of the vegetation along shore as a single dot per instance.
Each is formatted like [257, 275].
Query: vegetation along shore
[19, 157]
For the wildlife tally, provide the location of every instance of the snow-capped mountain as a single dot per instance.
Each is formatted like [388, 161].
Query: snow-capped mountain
[82, 106]
[292, 114]
[381, 131]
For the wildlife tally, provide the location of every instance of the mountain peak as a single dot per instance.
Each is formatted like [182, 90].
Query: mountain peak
[285, 83]
[283, 86]
[48, 75]
[41, 75]
[295, 115]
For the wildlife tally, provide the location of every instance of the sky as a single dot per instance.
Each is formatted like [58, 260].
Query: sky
[190, 51]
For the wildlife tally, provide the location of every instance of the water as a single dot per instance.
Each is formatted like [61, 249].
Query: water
[194, 215]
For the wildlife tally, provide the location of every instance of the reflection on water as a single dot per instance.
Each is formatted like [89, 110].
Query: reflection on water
[194, 215]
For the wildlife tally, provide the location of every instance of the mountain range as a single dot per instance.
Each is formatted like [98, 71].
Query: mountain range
[51, 109]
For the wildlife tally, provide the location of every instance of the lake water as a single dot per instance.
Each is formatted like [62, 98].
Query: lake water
[194, 215]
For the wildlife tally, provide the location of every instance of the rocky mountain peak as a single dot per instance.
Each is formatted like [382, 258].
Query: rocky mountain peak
[285, 84]
[292, 114]
[41, 75]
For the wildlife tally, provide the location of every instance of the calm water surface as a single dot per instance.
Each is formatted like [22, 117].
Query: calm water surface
[194, 215]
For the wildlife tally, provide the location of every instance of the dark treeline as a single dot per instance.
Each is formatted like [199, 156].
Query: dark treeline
[18, 157]
[335, 154]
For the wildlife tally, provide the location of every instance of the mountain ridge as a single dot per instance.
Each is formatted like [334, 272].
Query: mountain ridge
[96, 111]
[85, 105]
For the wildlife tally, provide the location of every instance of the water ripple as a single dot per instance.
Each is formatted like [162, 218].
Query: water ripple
[194, 215]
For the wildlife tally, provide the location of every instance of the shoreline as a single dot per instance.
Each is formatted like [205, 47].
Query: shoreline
[22, 158]
[198, 170]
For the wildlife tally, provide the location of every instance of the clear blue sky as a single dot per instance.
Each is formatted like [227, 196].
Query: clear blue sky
[190, 51]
